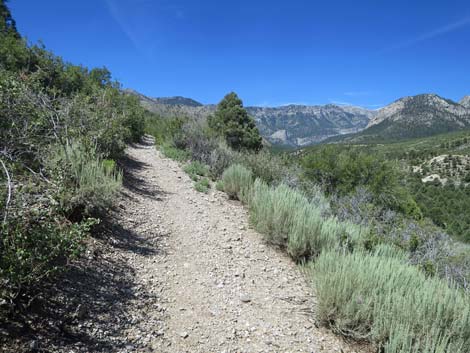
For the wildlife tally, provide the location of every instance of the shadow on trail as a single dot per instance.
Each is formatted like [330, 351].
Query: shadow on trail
[89, 307]
[135, 183]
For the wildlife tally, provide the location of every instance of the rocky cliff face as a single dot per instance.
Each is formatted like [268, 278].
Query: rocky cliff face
[299, 125]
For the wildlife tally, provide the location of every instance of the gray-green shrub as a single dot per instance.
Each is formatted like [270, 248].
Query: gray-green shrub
[385, 300]
[272, 210]
[90, 183]
[237, 182]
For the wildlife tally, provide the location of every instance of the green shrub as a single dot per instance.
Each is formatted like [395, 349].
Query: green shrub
[305, 237]
[172, 152]
[36, 240]
[343, 170]
[45, 104]
[272, 168]
[385, 300]
[196, 169]
[163, 129]
[202, 185]
[272, 210]
[219, 185]
[237, 182]
[286, 217]
[89, 183]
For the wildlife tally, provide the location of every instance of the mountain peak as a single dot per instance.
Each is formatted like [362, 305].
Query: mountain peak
[418, 116]
[178, 100]
[465, 101]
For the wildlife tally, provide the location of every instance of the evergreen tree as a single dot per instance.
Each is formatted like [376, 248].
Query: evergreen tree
[7, 23]
[232, 122]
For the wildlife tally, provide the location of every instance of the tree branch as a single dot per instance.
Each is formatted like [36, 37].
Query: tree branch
[9, 191]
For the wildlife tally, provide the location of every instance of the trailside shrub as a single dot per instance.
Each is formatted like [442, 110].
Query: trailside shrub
[272, 210]
[219, 185]
[58, 124]
[172, 152]
[37, 240]
[163, 129]
[384, 300]
[286, 217]
[237, 182]
[205, 147]
[89, 183]
[202, 185]
[304, 239]
[265, 165]
[196, 169]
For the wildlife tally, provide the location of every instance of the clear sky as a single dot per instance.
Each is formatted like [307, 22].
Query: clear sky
[366, 53]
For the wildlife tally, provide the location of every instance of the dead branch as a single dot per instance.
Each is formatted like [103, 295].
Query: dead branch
[9, 191]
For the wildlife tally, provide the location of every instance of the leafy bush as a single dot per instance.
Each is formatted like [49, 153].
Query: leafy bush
[286, 217]
[384, 300]
[202, 185]
[237, 182]
[195, 138]
[163, 129]
[219, 185]
[343, 171]
[37, 240]
[265, 165]
[196, 169]
[172, 152]
[272, 210]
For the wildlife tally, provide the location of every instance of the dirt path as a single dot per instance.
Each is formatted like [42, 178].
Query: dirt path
[180, 271]
[226, 290]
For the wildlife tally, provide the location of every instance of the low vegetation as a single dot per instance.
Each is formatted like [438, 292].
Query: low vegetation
[62, 127]
[382, 299]
[203, 185]
[237, 182]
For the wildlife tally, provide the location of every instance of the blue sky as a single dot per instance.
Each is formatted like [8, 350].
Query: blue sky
[366, 53]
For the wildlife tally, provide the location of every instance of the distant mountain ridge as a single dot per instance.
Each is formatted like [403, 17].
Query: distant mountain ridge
[291, 125]
[415, 116]
[301, 125]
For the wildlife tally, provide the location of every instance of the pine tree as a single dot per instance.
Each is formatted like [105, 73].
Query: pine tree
[232, 122]
[7, 23]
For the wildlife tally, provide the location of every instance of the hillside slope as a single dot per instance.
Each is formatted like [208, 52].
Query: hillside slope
[416, 116]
